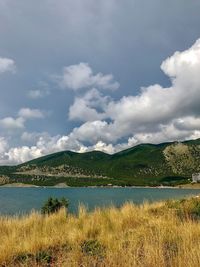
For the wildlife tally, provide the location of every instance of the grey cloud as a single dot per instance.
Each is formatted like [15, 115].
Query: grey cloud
[37, 93]
[42, 90]
[188, 123]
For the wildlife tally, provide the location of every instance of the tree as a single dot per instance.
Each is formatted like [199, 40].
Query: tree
[53, 205]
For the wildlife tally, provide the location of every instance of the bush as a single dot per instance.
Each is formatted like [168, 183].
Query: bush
[92, 248]
[41, 257]
[189, 208]
[53, 205]
[44, 257]
[24, 257]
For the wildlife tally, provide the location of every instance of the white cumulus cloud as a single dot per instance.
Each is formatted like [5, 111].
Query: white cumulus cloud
[157, 113]
[80, 76]
[10, 123]
[28, 113]
[7, 64]
[89, 107]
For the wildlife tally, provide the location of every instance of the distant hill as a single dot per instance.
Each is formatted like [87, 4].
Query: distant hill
[145, 164]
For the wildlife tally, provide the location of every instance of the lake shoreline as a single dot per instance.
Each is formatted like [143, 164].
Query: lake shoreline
[16, 200]
[63, 185]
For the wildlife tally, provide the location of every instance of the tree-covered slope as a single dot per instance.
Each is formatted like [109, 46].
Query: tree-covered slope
[145, 164]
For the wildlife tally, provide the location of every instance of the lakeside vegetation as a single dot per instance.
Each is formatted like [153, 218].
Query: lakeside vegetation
[160, 234]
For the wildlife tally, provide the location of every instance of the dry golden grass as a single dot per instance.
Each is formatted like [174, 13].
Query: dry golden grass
[143, 236]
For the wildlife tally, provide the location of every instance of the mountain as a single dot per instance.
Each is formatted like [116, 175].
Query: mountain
[145, 164]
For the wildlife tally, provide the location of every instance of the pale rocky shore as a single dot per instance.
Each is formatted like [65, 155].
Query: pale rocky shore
[19, 185]
[63, 185]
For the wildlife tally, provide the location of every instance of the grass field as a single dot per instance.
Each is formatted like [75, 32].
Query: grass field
[159, 234]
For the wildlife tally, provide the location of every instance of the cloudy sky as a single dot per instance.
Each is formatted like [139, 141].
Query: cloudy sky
[105, 75]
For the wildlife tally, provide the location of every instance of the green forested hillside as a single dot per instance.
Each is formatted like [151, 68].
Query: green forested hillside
[145, 164]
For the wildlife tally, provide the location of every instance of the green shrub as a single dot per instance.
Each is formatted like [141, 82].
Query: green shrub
[92, 247]
[189, 208]
[41, 257]
[53, 205]
[24, 257]
[44, 257]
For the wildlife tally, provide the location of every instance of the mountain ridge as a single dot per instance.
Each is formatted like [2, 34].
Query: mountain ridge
[168, 163]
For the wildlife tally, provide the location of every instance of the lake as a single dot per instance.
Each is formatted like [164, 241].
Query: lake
[23, 200]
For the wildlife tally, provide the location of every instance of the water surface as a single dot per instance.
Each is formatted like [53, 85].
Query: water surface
[23, 200]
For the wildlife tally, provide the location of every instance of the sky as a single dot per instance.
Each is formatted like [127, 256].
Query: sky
[104, 75]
